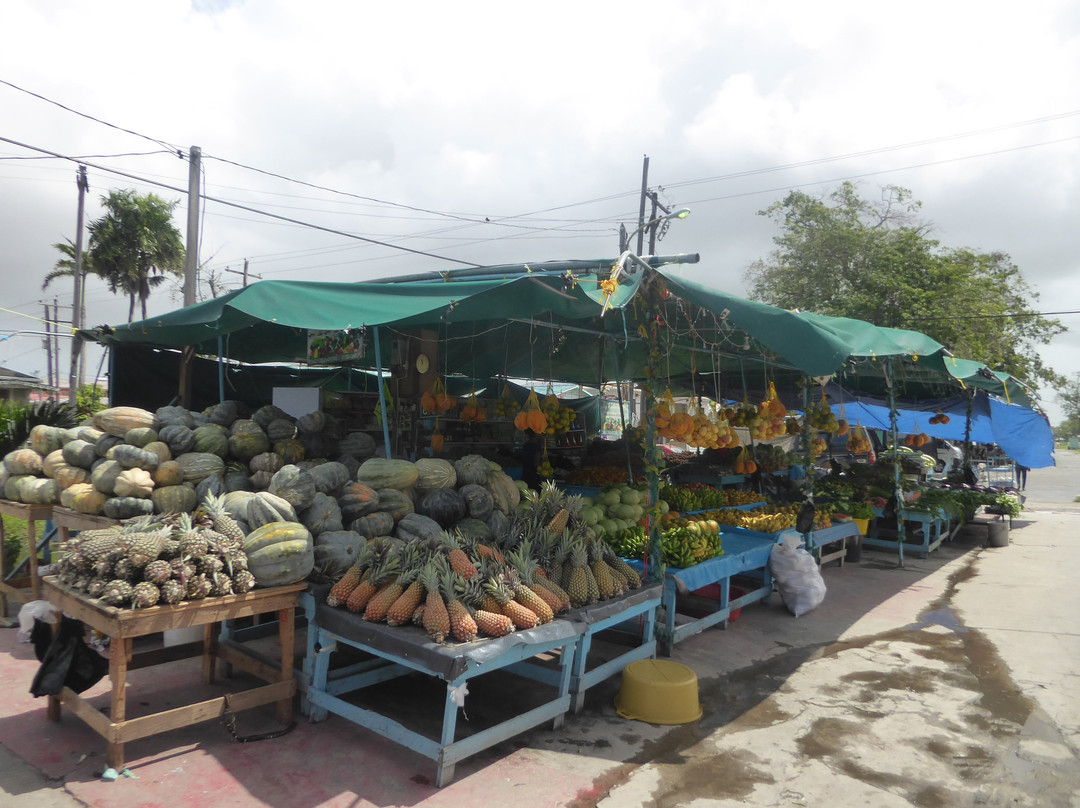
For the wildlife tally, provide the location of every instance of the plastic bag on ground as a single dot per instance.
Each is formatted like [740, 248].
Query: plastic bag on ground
[66, 660]
[34, 610]
[797, 575]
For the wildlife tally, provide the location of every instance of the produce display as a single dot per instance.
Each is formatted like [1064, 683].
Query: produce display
[702, 497]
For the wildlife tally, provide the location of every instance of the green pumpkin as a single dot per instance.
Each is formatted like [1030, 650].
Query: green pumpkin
[279, 553]
[248, 443]
[174, 498]
[212, 439]
[380, 473]
[197, 466]
[291, 451]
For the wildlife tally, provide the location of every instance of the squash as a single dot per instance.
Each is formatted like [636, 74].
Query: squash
[140, 436]
[119, 420]
[394, 502]
[478, 500]
[23, 461]
[212, 439]
[127, 507]
[472, 469]
[105, 443]
[269, 413]
[374, 524]
[134, 483]
[294, 485]
[80, 453]
[504, 491]
[281, 429]
[446, 506]
[264, 508]
[159, 448]
[45, 439]
[174, 416]
[200, 465]
[52, 461]
[214, 484]
[380, 473]
[279, 553]
[248, 443]
[499, 523]
[358, 444]
[434, 473]
[66, 476]
[175, 498]
[86, 433]
[13, 484]
[104, 476]
[417, 526]
[291, 451]
[235, 503]
[476, 529]
[236, 480]
[318, 444]
[83, 498]
[267, 461]
[133, 457]
[356, 500]
[5, 475]
[336, 551]
[329, 478]
[312, 422]
[323, 515]
[179, 439]
[260, 480]
[39, 491]
[224, 413]
[168, 473]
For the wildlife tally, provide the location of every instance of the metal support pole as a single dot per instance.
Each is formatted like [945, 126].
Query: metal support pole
[894, 432]
[75, 376]
[191, 257]
[382, 396]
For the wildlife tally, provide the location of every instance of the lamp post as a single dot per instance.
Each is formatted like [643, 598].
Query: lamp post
[652, 225]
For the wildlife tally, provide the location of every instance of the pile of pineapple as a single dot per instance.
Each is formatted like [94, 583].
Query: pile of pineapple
[166, 559]
[460, 588]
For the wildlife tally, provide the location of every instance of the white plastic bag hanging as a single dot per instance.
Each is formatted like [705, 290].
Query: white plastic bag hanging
[40, 609]
[797, 575]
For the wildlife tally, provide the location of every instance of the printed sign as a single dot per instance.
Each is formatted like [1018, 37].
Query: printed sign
[332, 347]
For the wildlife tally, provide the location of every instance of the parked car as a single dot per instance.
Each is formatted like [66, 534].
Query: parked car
[949, 456]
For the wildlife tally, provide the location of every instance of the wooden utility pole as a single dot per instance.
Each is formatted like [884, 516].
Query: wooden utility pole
[75, 376]
[641, 211]
[49, 351]
[191, 258]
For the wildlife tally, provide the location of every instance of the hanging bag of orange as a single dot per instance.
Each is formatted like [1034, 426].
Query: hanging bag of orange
[531, 416]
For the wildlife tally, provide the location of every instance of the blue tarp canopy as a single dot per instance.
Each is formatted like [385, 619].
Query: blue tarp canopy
[1022, 433]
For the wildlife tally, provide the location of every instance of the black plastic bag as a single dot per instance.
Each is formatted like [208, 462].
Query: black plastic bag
[66, 661]
[804, 522]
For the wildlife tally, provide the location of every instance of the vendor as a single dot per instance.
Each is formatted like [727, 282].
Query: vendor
[530, 460]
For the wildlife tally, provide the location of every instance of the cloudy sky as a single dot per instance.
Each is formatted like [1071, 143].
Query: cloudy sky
[491, 132]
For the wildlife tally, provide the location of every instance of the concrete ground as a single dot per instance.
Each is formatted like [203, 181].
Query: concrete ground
[949, 682]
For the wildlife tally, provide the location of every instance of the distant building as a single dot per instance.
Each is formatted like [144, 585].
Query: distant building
[19, 388]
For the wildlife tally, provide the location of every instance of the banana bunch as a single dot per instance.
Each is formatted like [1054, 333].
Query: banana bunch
[683, 548]
[769, 522]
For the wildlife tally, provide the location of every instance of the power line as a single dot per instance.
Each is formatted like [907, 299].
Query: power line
[996, 316]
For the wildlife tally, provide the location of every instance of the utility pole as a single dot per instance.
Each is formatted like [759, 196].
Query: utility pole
[191, 258]
[75, 376]
[641, 211]
[49, 350]
[245, 272]
[56, 341]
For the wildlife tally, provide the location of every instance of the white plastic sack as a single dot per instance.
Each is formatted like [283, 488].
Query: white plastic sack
[41, 609]
[797, 575]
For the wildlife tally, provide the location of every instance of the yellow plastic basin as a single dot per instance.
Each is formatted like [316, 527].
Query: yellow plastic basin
[658, 691]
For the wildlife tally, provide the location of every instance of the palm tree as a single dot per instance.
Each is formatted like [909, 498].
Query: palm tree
[135, 245]
[65, 267]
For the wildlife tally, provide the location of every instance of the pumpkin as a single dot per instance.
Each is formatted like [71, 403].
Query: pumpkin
[374, 524]
[140, 436]
[5, 475]
[119, 420]
[446, 506]
[235, 503]
[211, 439]
[168, 473]
[39, 491]
[236, 481]
[264, 508]
[127, 507]
[79, 453]
[268, 413]
[83, 498]
[214, 484]
[179, 439]
[417, 526]
[200, 465]
[104, 476]
[294, 485]
[499, 523]
[504, 492]
[476, 529]
[336, 551]
[66, 476]
[358, 444]
[381, 473]
[134, 482]
[279, 553]
[267, 461]
[323, 515]
[351, 464]
[23, 461]
[244, 425]
[174, 498]
[45, 439]
[105, 443]
[260, 480]
[394, 502]
[329, 477]
[356, 500]
[52, 461]
[86, 433]
[478, 500]
[133, 457]
[472, 469]
[312, 422]
[174, 416]
[434, 473]
[281, 429]
[13, 484]
[224, 413]
[291, 451]
[247, 444]
[159, 448]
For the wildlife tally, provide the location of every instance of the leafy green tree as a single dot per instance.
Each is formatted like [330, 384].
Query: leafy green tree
[134, 247]
[1069, 396]
[89, 398]
[845, 256]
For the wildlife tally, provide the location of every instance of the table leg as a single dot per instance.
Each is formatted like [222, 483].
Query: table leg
[119, 653]
[31, 540]
[287, 635]
[209, 657]
[52, 711]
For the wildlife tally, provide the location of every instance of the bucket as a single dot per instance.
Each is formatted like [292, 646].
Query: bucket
[862, 524]
[997, 534]
[658, 691]
[854, 549]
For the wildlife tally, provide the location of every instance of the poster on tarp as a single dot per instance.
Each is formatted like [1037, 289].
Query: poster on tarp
[333, 347]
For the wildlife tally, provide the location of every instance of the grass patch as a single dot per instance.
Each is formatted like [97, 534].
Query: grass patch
[14, 548]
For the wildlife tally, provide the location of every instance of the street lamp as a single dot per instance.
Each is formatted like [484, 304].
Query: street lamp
[651, 225]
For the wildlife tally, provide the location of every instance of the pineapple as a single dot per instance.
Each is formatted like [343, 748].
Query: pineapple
[436, 617]
[222, 584]
[198, 587]
[193, 544]
[157, 572]
[340, 591]
[529, 599]
[223, 522]
[386, 596]
[633, 580]
[522, 616]
[117, 592]
[123, 569]
[146, 546]
[144, 595]
[577, 584]
[459, 560]
[462, 624]
[401, 610]
[494, 624]
[243, 582]
[95, 545]
[605, 580]
[172, 592]
[381, 573]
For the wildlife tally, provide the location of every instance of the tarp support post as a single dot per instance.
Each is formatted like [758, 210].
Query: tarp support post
[220, 370]
[898, 491]
[382, 395]
[622, 414]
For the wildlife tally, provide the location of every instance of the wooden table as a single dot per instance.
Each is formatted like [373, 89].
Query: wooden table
[122, 625]
[32, 514]
[67, 520]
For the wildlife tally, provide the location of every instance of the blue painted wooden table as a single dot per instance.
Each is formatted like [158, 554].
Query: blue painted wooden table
[928, 530]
